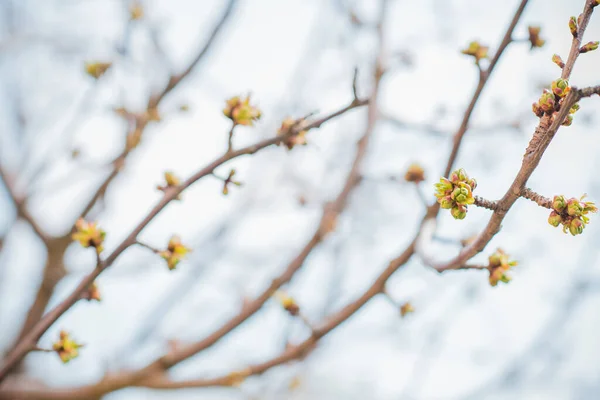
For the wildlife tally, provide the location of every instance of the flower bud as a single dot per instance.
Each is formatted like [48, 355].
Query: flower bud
[574, 207]
[560, 87]
[446, 202]
[66, 348]
[558, 61]
[534, 36]
[537, 110]
[573, 26]
[414, 173]
[590, 46]
[559, 203]
[406, 308]
[89, 235]
[443, 187]
[476, 50]
[568, 121]
[574, 108]
[174, 253]
[459, 212]
[241, 112]
[554, 219]
[96, 69]
[547, 102]
[472, 183]
[576, 226]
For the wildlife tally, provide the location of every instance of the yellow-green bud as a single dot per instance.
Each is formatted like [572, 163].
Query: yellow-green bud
[559, 203]
[554, 219]
[459, 212]
[573, 26]
[576, 226]
[560, 87]
[589, 46]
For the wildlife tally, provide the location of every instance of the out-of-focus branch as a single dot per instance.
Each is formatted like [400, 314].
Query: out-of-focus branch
[483, 78]
[378, 287]
[20, 206]
[30, 340]
[327, 224]
[54, 271]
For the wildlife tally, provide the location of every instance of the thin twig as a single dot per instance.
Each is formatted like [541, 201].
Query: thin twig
[21, 348]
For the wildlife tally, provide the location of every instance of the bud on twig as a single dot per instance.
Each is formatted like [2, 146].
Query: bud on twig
[498, 266]
[590, 46]
[456, 193]
[174, 253]
[66, 348]
[556, 59]
[89, 235]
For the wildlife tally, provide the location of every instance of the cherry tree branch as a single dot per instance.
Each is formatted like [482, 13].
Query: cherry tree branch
[543, 135]
[29, 340]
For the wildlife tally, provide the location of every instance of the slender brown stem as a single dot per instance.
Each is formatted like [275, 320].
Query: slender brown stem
[574, 53]
[21, 207]
[22, 348]
[230, 139]
[483, 203]
[536, 198]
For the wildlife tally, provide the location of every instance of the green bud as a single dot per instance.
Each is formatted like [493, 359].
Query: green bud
[558, 61]
[576, 226]
[446, 202]
[590, 46]
[554, 219]
[495, 259]
[547, 102]
[560, 87]
[443, 186]
[537, 110]
[573, 26]
[574, 108]
[559, 203]
[568, 121]
[459, 212]
[472, 183]
[574, 208]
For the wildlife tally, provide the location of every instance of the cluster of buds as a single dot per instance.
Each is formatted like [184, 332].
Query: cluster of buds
[415, 174]
[66, 348]
[406, 308]
[477, 51]
[288, 303]
[534, 37]
[174, 253]
[292, 132]
[89, 235]
[96, 69]
[456, 193]
[241, 112]
[499, 265]
[171, 182]
[550, 100]
[572, 213]
[229, 180]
